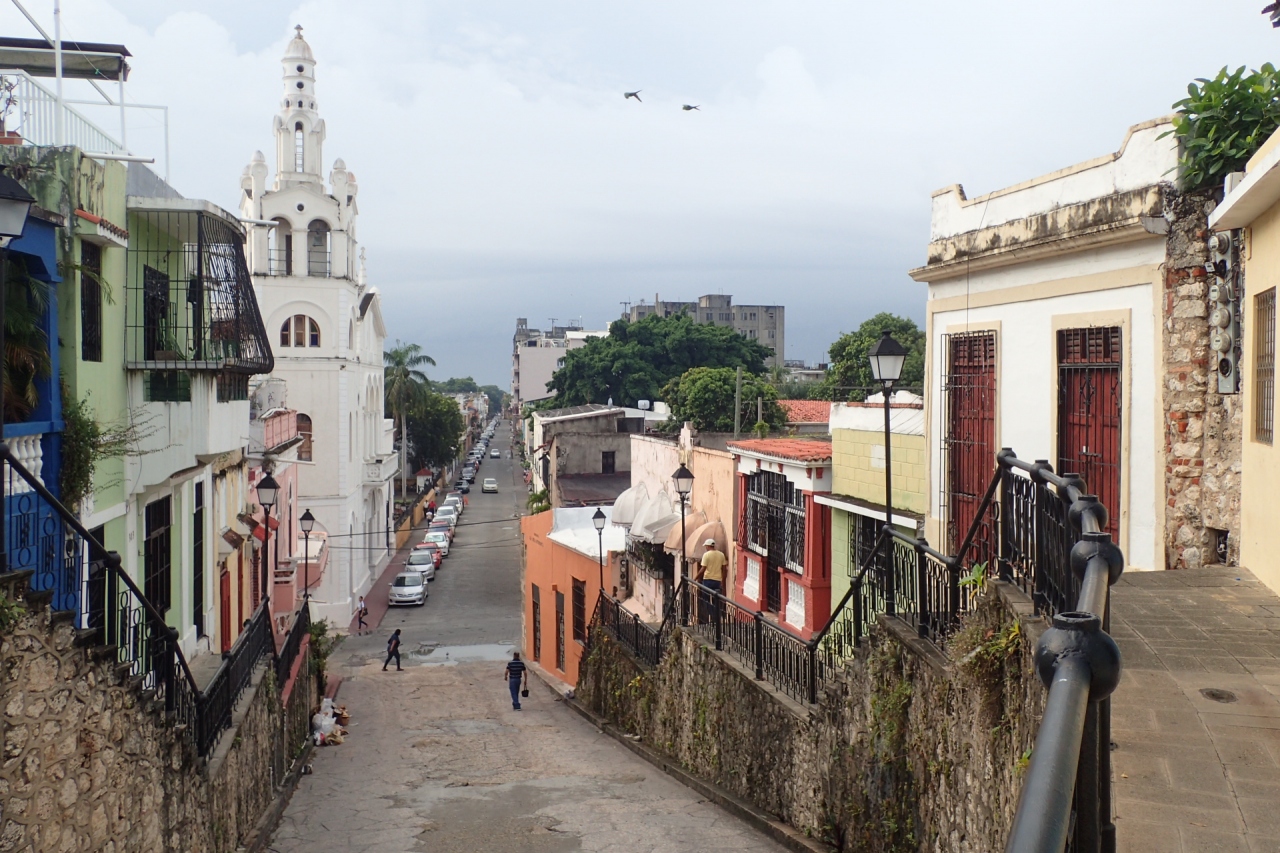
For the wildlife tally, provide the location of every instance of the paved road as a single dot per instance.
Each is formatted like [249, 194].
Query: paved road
[438, 760]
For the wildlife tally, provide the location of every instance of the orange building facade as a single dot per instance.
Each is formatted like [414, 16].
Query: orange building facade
[562, 579]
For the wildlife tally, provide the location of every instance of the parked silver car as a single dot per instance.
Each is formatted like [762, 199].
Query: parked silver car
[422, 561]
[408, 588]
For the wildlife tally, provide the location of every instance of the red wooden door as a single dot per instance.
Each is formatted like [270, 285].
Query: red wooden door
[969, 392]
[224, 607]
[1089, 365]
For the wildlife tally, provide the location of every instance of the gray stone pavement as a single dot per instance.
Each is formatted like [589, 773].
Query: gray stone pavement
[1196, 719]
[437, 759]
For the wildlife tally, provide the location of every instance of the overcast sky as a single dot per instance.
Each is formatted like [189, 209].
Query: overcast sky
[503, 175]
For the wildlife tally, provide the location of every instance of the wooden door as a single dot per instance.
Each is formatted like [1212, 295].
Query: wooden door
[1089, 413]
[224, 607]
[969, 394]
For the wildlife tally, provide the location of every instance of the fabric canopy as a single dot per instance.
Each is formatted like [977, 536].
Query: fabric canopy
[629, 503]
[691, 522]
[709, 530]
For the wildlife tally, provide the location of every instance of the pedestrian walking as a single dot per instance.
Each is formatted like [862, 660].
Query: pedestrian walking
[515, 672]
[362, 610]
[393, 651]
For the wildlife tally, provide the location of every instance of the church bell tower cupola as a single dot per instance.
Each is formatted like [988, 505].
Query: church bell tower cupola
[299, 128]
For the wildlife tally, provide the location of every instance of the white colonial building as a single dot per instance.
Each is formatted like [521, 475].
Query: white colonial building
[325, 325]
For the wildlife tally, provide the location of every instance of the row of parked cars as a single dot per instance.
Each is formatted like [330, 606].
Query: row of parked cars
[410, 586]
[476, 458]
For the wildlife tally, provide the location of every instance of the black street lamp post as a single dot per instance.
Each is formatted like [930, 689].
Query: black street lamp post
[683, 480]
[307, 523]
[887, 357]
[15, 204]
[268, 491]
[599, 520]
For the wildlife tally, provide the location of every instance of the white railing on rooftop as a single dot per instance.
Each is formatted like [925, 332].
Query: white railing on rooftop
[35, 114]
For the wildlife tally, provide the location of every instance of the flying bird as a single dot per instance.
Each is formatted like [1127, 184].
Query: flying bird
[635, 94]
[687, 107]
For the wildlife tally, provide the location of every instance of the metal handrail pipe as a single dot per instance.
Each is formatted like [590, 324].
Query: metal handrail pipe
[914, 542]
[1051, 777]
[1095, 587]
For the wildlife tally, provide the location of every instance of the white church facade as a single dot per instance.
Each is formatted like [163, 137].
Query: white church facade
[327, 334]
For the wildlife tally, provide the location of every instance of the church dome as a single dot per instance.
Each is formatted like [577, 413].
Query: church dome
[298, 47]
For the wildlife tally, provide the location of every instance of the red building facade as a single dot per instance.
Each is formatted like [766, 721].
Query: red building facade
[783, 535]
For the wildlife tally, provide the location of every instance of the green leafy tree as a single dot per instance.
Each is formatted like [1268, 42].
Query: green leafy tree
[704, 396]
[404, 385]
[1222, 122]
[454, 385]
[849, 375]
[496, 397]
[637, 359]
[435, 425]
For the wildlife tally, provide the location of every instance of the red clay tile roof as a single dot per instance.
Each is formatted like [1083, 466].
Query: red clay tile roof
[797, 449]
[806, 411]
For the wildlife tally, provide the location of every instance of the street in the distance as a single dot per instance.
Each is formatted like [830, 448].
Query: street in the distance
[438, 760]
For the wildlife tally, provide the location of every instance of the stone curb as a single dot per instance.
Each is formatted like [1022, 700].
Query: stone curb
[260, 839]
[786, 835]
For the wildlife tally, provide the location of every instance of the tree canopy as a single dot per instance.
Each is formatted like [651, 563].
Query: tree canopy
[435, 425]
[454, 385]
[849, 375]
[637, 359]
[704, 397]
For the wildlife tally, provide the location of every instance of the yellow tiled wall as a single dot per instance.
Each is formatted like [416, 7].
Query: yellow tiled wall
[858, 465]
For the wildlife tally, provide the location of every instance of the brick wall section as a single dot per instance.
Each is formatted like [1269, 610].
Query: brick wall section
[905, 751]
[91, 763]
[1202, 427]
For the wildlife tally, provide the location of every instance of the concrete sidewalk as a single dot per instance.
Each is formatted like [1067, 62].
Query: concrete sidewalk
[1196, 720]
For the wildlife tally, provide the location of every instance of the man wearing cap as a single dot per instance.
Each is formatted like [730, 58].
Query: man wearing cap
[712, 573]
[711, 576]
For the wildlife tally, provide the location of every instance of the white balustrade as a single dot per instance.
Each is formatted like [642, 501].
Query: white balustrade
[27, 451]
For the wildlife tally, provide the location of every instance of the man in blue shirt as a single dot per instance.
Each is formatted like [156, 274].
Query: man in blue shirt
[515, 672]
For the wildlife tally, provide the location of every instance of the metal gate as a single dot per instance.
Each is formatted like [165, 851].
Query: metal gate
[1089, 364]
[769, 496]
[969, 394]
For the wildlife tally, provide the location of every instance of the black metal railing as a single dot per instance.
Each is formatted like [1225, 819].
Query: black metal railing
[637, 636]
[43, 536]
[218, 700]
[1056, 549]
[189, 301]
[292, 646]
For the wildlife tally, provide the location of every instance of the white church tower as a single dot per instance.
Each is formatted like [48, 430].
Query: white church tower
[326, 329]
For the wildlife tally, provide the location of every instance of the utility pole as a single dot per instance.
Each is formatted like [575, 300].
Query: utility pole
[737, 405]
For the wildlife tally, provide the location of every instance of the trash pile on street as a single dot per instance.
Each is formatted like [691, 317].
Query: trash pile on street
[329, 726]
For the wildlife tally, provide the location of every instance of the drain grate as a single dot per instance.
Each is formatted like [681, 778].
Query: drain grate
[1217, 694]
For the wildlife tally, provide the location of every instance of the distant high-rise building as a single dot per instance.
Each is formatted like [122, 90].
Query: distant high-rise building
[763, 323]
[536, 355]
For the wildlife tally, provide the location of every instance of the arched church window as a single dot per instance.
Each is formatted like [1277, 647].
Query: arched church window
[318, 248]
[304, 430]
[300, 331]
[299, 140]
[280, 247]
[351, 335]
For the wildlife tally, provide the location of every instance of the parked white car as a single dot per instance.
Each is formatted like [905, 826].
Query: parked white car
[422, 561]
[439, 538]
[408, 588]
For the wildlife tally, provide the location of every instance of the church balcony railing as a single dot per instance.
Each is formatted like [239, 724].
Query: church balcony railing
[280, 261]
[189, 297]
[318, 263]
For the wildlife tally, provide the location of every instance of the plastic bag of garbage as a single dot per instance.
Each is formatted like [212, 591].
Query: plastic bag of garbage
[323, 723]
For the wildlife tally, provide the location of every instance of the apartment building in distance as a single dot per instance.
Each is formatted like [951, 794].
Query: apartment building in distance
[763, 323]
[537, 354]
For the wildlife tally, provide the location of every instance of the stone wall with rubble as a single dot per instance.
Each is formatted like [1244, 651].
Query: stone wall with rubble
[1202, 427]
[906, 749]
[90, 761]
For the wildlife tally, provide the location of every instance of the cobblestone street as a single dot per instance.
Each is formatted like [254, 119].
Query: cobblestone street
[438, 760]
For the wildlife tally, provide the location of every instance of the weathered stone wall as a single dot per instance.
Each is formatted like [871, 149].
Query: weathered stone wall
[1202, 427]
[90, 761]
[905, 750]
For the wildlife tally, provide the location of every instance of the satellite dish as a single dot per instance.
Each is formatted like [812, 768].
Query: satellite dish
[643, 404]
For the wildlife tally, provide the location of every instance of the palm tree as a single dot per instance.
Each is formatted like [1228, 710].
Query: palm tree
[404, 383]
